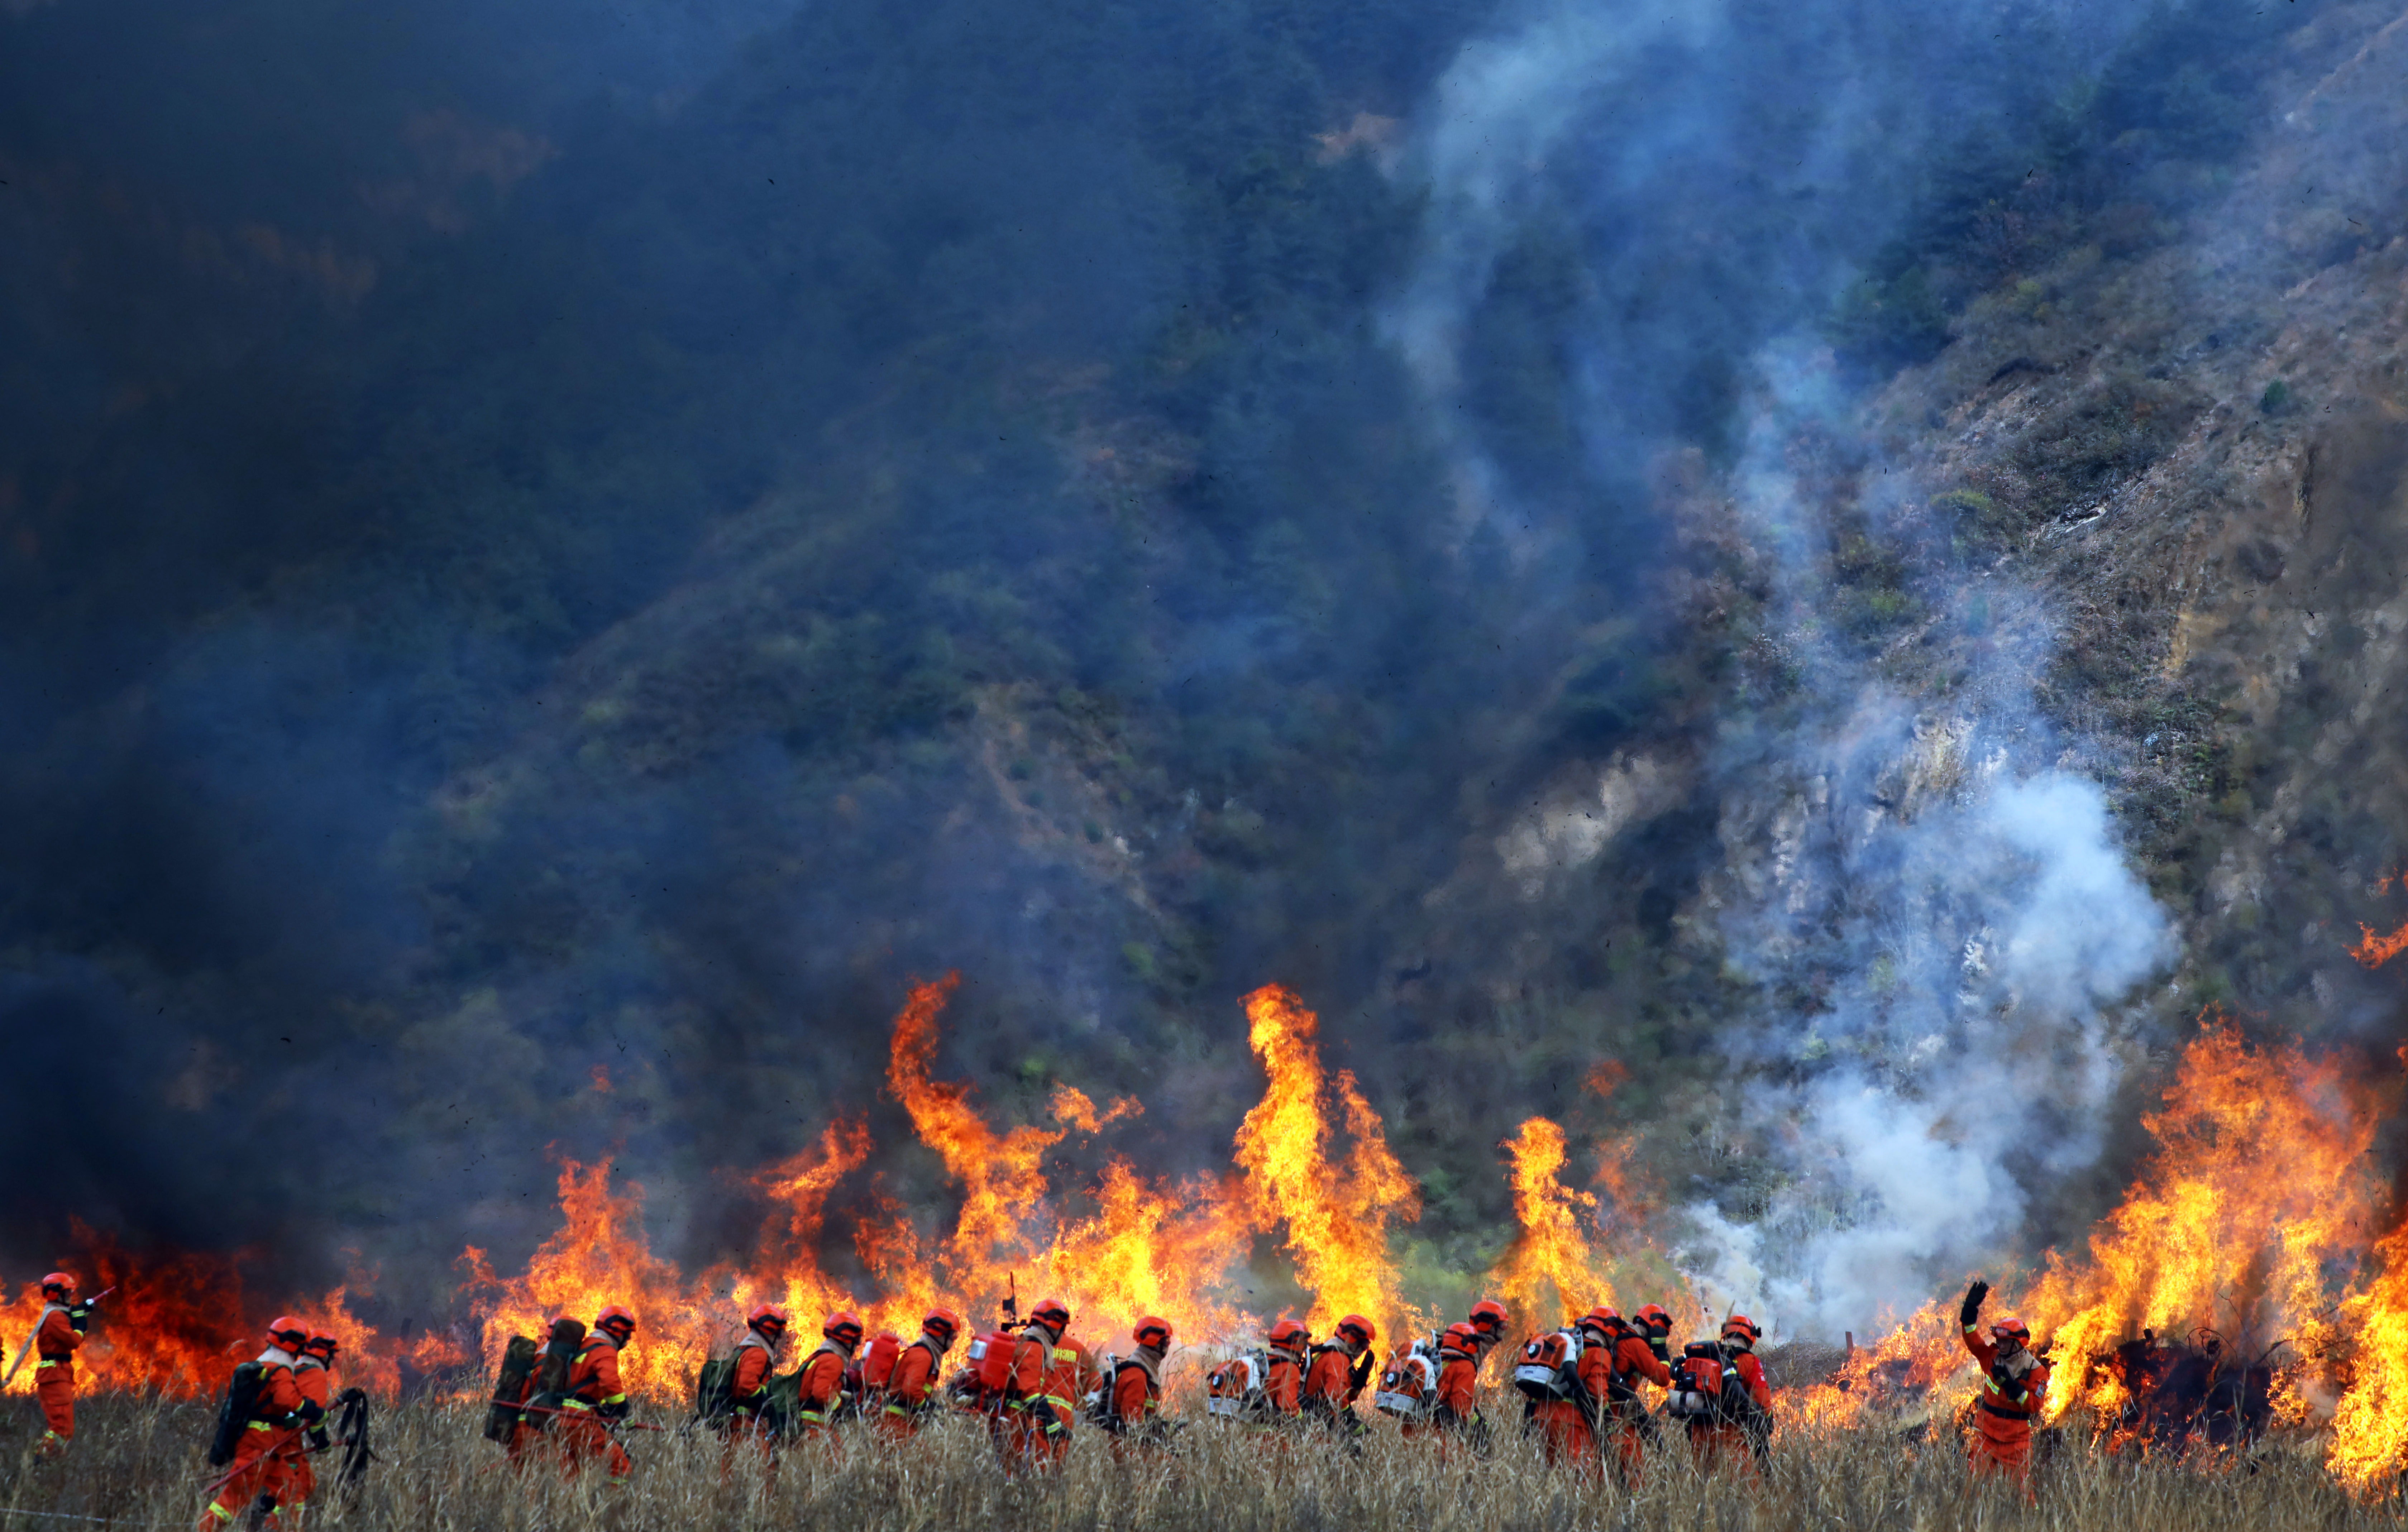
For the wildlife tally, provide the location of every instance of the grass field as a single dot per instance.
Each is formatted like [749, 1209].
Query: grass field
[138, 1462]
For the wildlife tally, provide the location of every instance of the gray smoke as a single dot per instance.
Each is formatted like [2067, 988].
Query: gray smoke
[1932, 902]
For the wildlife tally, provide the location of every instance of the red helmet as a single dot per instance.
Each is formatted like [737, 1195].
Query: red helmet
[2010, 1325]
[324, 1345]
[1741, 1325]
[768, 1319]
[287, 1332]
[1159, 1330]
[943, 1324]
[616, 1322]
[1488, 1318]
[1653, 1317]
[61, 1282]
[1604, 1319]
[1359, 1327]
[1290, 1333]
[1462, 1339]
[1051, 1312]
[843, 1328]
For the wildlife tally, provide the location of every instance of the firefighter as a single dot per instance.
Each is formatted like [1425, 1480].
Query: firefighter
[1654, 1326]
[1133, 1414]
[916, 1388]
[2014, 1388]
[748, 1382]
[1335, 1376]
[1489, 1321]
[1739, 1438]
[1048, 1371]
[58, 1335]
[820, 1394]
[527, 1430]
[297, 1481]
[1612, 1366]
[1290, 1343]
[1562, 1425]
[1456, 1414]
[597, 1398]
[279, 1412]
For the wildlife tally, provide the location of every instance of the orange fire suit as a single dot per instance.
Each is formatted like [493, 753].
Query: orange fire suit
[820, 1392]
[1048, 1374]
[914, 1390]
[748, 1389]
[280, 1414]
[1613, 1374]
[56, 1340]
[1136, 1403]
[1732, 1446]
[1283, 1384]
[297, 1481]
[1331, 1384]
[595, 1398]
[1567, 1427]
[2003, 1416]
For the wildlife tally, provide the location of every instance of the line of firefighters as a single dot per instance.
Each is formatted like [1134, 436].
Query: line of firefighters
[563, 1398]
[1032, 1384]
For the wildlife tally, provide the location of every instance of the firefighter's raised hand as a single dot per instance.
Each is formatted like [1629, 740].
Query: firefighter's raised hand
[1973, 1296]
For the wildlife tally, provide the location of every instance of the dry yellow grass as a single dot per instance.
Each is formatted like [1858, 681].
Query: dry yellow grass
[139, 1462]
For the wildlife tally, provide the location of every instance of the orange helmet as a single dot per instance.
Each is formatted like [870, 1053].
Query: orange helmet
[1159, 1330]
[1290, 1333]
[2010, 1325]
[616, 1322]
[1359, 1327]
[943, 1324]
[1054, 1312]
[1739, 1325]
[1604, 1319]
[62, 1284]
[287, 1332]
[324, 1345]
[768, 1319]
[1461, 1339]
[1653, 1317]
[843, 1328]
[1488, 1318]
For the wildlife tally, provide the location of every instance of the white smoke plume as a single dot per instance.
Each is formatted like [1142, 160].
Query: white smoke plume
[1934, 906]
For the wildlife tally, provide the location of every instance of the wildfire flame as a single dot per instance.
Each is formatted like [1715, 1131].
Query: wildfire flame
[2374, 950]
[2263, 1216]
[1335, 1216]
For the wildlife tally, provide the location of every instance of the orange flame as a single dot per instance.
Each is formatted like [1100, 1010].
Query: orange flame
[1551, 1257]
[2257, 1201]
[1335, 1216]
[2375, 950]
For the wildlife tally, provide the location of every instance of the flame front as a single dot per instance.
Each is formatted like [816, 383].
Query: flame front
[2258, 1203]
[1335, 1216]
[1551, 1257]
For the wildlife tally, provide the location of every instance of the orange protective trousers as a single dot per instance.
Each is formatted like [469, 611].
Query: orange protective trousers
[2008, 1452]
[1563, 1433]
[1717, 1448]
[582, 1439]
[258, 1470]
[57, 1394]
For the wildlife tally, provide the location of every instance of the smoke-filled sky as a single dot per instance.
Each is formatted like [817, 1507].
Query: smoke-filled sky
[537, 539]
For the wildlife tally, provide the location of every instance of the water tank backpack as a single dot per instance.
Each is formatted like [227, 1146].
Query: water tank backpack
[1409, 1386]
[1234, 1390]
[1550, 1367]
